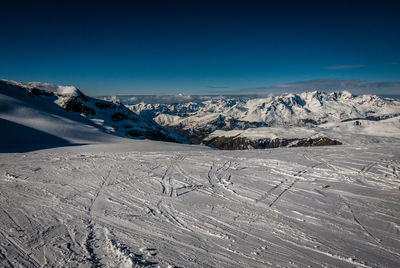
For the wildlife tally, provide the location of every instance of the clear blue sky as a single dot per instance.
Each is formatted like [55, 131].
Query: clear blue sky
[105, 47]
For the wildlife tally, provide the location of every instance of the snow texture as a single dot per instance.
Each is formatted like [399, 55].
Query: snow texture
[117, 202]
[85, 206]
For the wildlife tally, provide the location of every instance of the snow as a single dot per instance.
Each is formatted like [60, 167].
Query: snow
[166, 119]
[41, 125]
[32, 127]
[66, 104]
[202, 119]
[61, 90]
[266, 133]
[363, 131]
[85, 206]
[383, 128]
[353, 132]
[117, 202]
[67, 90]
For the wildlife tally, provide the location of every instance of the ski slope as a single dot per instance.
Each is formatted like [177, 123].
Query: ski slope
[92, 206]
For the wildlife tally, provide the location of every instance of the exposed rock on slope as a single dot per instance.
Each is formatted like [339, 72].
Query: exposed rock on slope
[243, 143]
[111, 117]
[267, 137]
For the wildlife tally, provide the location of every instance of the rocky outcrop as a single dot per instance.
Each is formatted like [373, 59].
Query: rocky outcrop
[74, 104]
[243, 143]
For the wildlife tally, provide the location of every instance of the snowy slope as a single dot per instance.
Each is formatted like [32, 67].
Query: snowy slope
[40, 118]
[40, 113]
[319, 207]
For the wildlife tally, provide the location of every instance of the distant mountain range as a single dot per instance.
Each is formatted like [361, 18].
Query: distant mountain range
[226, 122]
[201, 121]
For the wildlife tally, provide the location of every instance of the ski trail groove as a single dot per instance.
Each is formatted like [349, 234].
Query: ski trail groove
[90, 245]
[103, 181]
[90, 226]
[187, 189]
[25, 253]
[282, 193]
[368, 167]
[4, 257]
[170, 217]
[266, 195]
[211, 174]
[360, 224]
[166, 184]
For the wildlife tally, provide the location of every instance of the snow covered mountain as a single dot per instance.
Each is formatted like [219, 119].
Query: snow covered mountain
[306, 119]
[55, 110]
[118, 202]
[198, 120]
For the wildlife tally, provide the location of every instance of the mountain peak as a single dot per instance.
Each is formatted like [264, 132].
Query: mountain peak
[111, 117]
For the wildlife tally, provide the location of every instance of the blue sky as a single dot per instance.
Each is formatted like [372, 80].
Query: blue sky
[105, 47]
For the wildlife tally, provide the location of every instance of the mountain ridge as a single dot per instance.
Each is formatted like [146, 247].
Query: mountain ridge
[199, 120]
[289, 120]
[110, 117]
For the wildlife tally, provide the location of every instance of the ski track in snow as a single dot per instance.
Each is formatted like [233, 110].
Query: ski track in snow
[330, 206]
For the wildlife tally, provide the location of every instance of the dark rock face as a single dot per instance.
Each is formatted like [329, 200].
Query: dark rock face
[75, 105]
[38, 92]
[310, 122]
[225, 143]
[319, 141]
[118, 117]
[242, 143]
[152, 135]
[135, 134]
[105, 105]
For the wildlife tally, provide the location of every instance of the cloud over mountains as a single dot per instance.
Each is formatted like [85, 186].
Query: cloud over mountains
[346, 66]
[354, 86]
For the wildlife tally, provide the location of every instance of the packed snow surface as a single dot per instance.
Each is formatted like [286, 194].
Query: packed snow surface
[92, 206]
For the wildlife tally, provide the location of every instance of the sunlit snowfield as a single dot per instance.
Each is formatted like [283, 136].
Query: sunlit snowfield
[329, 206]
